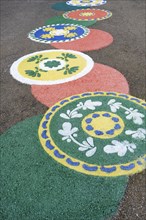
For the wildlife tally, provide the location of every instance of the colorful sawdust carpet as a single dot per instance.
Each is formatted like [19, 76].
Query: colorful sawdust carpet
[100, 133]
[87, 3]
[51, 67]
[87, 14]
[58, 33]
[100, 78]
[62, 6]
[34, 186]
[95, 40]
[61, 19]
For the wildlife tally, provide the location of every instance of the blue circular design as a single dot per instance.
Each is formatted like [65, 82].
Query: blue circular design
[59, 33]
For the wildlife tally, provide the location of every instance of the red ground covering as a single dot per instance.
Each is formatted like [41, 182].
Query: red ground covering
[95, 40]
[101, 78]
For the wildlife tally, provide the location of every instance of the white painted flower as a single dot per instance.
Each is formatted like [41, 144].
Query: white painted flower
[89, 105]
[67, 131]
[135, 115]
[114, 105]
[74, 113]
[120, 148]
[139, 134]
[88, 146]
[71, 114]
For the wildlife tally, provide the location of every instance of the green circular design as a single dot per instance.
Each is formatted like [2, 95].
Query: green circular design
[34, 186]
[61, 19]
[132, 148]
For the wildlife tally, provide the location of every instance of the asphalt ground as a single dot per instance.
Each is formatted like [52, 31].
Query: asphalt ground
[126, 54]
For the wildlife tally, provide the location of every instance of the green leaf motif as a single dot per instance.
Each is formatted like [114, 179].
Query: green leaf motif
[52, 64]
[71, 56]
[73, 69]
[30, 73]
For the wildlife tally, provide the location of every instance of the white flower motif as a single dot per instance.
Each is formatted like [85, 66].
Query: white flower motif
[89, 105]
[89, 146]
[139, 134]
[120, 148]
[69, 114]
[74, 113]
[114, 105]
[68, 131]
[135, 115]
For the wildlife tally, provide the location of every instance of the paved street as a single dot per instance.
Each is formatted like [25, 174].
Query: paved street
[126, 54]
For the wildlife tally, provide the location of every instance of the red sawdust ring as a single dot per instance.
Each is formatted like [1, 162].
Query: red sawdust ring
[100, 78]
[97, 14]
[95, 40]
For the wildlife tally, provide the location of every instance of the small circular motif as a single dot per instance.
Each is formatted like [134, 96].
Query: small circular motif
[64, 138]
[87, 14]
[103, 125]
[58, 33]
[85, 3]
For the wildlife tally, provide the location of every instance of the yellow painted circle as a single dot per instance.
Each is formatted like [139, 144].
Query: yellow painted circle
[103, 125]
[50, 67]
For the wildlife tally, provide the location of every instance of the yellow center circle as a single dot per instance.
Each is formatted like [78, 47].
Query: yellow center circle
[103, 125]
[87, 14]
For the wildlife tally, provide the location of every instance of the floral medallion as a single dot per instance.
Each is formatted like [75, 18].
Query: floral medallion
[87, 14]
[84, 3]
[100, 133]
[50, 67]
[58, 33]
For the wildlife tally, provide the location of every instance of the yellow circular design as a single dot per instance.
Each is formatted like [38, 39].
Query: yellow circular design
[51, 67]
[103, 125]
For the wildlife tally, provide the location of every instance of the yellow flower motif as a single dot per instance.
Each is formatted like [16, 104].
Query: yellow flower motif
[86, 14]
[49, 29]
[70, 35]
[70, 28]
[46, 36]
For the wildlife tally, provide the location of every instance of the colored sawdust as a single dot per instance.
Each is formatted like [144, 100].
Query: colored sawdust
[58, 33]
[100, 133]
[100, 78]
[62, 6]
[34, 186]
[95, 40]
[87, 14]
[87, 3]
[61, 19]
[50, 67]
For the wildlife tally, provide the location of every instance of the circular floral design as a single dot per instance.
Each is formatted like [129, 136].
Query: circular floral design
[85, 3]
[87, 14]
[51, 67]
[63, 136]
[58, 33]
[103, 125]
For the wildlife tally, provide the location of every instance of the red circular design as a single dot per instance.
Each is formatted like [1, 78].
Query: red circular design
[88, 14]
[95, 40]
[101, 78]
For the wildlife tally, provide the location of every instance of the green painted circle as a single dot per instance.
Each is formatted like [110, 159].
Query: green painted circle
[34, 186]
[61, 19]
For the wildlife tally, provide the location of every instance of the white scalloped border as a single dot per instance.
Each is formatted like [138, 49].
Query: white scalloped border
[16, 75]
[32, 36]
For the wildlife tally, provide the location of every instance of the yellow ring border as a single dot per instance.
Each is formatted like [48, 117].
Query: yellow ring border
[119, 172]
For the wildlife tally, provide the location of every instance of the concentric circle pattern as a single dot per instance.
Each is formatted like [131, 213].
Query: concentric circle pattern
[51, 67]
[87, 14]
[100, 133]
[58, 33]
